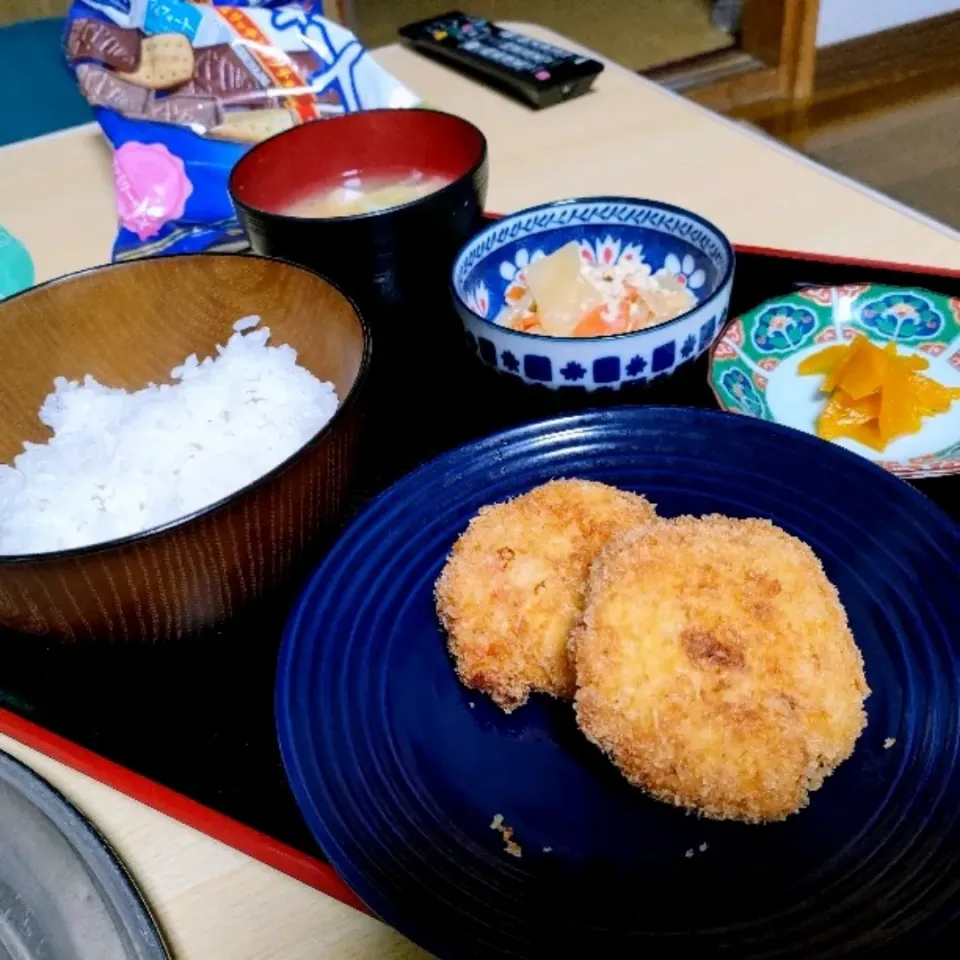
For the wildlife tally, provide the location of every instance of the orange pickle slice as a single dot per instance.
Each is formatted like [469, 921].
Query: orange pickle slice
[875, 394]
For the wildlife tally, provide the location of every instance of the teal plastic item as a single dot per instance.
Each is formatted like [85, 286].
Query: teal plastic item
[16, 265]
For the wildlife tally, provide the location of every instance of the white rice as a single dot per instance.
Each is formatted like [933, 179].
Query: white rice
[121, 462]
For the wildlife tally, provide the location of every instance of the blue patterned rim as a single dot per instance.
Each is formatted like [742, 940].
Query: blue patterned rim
[632, 201]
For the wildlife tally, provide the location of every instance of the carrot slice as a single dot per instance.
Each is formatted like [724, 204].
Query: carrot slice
[594, 322]
[591, 324]
[525, 322]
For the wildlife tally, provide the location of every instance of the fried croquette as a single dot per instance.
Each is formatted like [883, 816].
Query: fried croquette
[512, 588]
[716, 668]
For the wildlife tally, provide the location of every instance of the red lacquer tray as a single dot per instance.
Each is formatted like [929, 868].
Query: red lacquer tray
[189, 730]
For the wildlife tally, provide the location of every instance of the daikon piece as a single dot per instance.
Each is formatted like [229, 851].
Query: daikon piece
[561, 292]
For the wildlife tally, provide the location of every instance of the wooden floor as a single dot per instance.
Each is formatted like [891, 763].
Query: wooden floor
[911, 151]
[886, 111]
[905, 146]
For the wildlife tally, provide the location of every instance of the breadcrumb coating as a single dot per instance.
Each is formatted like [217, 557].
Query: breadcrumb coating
[716, 668]
[512, 588]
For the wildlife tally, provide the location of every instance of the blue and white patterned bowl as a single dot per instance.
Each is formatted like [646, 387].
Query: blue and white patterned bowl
[609, 229]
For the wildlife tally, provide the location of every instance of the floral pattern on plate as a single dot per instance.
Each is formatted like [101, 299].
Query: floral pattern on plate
[685, 270]
[753, 365]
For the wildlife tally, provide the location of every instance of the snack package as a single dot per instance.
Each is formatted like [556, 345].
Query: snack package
[183, 89]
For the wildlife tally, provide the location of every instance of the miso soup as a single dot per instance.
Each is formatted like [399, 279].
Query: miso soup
[358, 195]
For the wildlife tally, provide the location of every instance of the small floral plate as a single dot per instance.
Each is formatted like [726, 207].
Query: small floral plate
[753, 366]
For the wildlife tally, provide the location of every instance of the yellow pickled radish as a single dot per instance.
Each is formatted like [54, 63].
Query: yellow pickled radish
[823, 361]
[865, 370]
[843, 412]
[875, 393]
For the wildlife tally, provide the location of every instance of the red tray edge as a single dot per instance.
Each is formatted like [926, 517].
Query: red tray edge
[853, 261]
[258, 845]
[179, 807]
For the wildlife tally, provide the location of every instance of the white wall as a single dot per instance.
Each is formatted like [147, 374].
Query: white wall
[846, 19]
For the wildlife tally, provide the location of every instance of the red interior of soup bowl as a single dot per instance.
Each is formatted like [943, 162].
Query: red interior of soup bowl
[372, 143]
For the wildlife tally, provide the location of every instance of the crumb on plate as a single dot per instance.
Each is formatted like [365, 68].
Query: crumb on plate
[509, 844]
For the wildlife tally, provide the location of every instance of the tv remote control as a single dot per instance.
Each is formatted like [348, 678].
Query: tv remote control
[535, 72]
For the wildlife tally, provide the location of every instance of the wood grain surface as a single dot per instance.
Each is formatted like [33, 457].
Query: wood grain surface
[628, 137]
[129, 325]
[211, 902]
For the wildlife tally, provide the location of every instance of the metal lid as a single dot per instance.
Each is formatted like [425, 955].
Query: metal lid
[64, 895]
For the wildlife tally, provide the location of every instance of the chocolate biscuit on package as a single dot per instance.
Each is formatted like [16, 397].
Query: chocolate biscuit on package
[105, 89]
[115, 47]
[230, 73]
[199, 113]
[182, 89]
[166, 61]
[226, 73]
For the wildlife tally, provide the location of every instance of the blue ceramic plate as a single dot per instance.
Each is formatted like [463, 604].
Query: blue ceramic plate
[400, 771]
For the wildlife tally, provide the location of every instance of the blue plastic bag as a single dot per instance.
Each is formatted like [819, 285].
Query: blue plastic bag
[182, 90]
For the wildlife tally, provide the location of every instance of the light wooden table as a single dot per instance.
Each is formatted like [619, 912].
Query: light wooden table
[629, 137]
